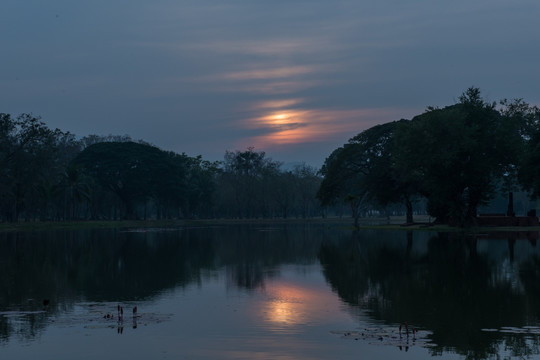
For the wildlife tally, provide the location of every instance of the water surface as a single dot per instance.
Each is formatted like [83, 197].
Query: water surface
[268, 292]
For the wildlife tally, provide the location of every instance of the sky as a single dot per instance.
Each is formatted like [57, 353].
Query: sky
[295, 79]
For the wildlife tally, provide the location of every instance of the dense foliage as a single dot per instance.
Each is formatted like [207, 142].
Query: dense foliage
[50, 175]
[33, 160]
[451, 160]
[362, 173]
[456, 158]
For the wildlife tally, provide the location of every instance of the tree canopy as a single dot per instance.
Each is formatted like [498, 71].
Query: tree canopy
[453, 159]
[29, 163]
[362, 172]
[457, 158]
[136, 173]
[51, 175]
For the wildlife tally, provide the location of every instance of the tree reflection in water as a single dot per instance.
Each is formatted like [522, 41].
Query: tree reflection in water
[69, 267]
[447, 283]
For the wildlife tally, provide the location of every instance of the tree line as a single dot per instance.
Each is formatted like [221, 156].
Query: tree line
[448, 161]
[51, 175]
[452, 159]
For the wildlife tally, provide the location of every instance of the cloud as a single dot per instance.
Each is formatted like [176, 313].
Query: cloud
[265, 80]
[271, 88]
[271, 73]
[286, 126]
[309, 133]
[197, 75]
[281, 103]
[268, 47]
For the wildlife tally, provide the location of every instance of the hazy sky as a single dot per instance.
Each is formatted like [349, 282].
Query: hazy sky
[293, 78]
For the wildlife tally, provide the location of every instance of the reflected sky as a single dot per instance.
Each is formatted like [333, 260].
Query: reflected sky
[241, 293]
[286, 320]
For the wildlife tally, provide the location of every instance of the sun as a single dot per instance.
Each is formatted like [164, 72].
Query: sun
[279, 119]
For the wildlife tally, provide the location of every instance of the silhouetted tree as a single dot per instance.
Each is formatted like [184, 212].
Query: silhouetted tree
[136, 172]
[244, 177]
[28, 162]
[457, 155]
[362, 172]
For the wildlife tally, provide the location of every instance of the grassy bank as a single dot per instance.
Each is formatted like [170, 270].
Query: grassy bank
[82, 225]
[393, 223]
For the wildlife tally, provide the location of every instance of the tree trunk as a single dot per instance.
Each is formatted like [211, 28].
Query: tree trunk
[356, 214]
[408, 204]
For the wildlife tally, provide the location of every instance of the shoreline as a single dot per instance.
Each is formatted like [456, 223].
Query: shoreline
[393, 223]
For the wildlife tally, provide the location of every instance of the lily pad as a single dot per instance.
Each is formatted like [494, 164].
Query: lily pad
[387, 336]
[107, 315]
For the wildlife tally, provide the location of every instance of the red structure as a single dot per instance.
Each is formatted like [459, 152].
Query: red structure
[508, 219]
[504, 220]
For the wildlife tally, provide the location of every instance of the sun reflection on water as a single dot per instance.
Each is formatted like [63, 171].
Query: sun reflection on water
[287, 305]
[291, 306]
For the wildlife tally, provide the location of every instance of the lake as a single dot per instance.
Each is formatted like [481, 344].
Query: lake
[304, 291]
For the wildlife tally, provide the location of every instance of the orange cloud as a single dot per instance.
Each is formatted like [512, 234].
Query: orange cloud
[264, 79]
[276, 87]
[269, 47]
[271, 104]
[286, 126]
[270, 73]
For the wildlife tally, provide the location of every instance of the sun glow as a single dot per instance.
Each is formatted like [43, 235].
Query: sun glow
[290, 118]
[279, 119]
[283, 122]
[289, 126]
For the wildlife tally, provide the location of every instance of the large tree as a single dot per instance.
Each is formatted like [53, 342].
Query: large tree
[362, 172]
[135, 173]
[28, 160]
[457, 155]
[341, 183]
[246, 181]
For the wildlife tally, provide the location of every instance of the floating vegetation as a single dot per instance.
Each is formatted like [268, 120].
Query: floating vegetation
[108, 315]
[527, 330]
[388, 336]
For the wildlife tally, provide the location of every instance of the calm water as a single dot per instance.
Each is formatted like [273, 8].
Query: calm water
[268, 292]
